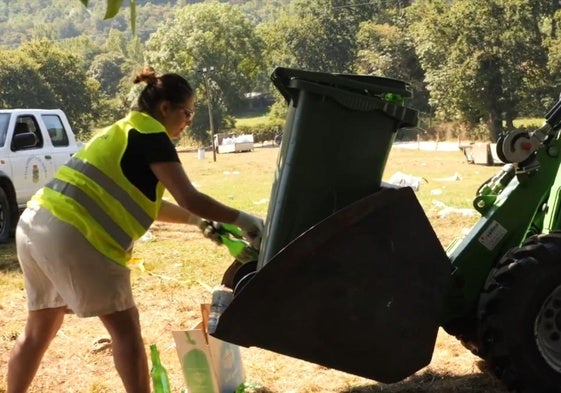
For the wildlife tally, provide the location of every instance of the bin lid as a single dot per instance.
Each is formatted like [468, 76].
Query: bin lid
[370, 85]
[355, 92]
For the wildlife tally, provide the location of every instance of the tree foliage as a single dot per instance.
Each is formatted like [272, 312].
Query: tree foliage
[481, 63]
[385, 49]
[317, 35]
[42, 74]
[483, 60]
[206, 35]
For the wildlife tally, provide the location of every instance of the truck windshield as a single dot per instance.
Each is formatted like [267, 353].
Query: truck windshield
[4, 120]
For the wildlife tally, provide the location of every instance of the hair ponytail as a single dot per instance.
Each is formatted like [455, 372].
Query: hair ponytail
[167, 87]
[147, 75]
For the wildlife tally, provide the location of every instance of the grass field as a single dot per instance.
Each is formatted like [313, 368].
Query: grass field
[531, 122]
[251, 121]
[179, 266]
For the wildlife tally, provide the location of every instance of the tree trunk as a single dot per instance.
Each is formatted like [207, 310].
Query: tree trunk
[495, 124]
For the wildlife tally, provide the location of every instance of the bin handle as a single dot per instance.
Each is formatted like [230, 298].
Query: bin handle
[406, 117]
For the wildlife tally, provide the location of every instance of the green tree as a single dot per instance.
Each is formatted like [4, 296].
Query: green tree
[553, 44]
[483, 59]
[62, 75]
[108, 70]
[387, 50]
[83, 48]
[204, 35]
[21, 84]
[316, 35]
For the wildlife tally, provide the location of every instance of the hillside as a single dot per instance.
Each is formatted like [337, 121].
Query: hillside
[62, 19]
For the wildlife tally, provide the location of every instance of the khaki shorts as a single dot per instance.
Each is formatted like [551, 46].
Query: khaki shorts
[61, 268]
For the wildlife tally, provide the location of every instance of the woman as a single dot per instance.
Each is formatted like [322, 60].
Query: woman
[76, 236]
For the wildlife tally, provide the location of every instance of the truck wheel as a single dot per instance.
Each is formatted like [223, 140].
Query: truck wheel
[519, 317]
[6, 216]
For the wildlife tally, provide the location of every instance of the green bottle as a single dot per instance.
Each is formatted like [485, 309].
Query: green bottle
[158, 373]
[232, 237]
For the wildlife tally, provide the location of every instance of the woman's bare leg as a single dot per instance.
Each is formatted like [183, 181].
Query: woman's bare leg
[129, 354]
[40, 329]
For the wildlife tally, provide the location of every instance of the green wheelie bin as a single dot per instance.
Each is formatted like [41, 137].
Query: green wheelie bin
[336, 141]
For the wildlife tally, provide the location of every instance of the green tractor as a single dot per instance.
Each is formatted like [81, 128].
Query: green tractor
[351, 275]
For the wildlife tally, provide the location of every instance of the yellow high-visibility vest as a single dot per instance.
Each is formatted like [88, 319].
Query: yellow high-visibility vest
[91, 192]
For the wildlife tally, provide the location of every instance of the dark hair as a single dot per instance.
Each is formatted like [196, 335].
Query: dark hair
[169, 87]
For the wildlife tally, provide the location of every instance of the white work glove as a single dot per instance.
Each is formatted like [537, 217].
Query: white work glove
[252, 228]
[208, 228]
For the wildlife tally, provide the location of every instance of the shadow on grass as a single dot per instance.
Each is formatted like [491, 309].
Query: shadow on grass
[436, 383]
[8, 257]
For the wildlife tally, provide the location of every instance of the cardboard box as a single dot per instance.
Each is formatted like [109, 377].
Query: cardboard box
[209, 365]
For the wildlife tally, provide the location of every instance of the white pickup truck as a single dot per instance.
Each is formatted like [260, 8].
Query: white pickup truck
[34, 143]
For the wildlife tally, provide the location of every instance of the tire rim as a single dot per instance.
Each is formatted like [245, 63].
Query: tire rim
[547, 330]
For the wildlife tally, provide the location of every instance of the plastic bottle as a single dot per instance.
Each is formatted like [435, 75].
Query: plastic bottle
[158, 373]
[221, 298]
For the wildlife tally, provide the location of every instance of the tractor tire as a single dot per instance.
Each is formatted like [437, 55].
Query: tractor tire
[519, 317]
[6, 218]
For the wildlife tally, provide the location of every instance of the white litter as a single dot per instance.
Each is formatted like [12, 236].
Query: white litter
[444, 211]
[147, 237]
[401, 179]
[455, 177]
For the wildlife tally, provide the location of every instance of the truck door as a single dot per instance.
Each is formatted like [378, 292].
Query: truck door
[63, 147]
[32, 165]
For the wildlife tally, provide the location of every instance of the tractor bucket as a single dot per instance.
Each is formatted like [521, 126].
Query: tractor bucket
[359, 292]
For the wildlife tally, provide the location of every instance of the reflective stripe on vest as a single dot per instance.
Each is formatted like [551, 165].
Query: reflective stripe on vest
[108, 224]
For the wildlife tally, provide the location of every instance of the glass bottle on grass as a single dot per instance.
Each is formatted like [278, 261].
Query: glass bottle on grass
[158, 373]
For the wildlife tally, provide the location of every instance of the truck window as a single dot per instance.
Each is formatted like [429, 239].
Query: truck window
[56, 130]
[4, 121]
[27, 123]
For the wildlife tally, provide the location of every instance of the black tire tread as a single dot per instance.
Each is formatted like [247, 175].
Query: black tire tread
[511, 298]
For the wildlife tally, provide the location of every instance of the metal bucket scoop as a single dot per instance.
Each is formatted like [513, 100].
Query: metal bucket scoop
[361, 291]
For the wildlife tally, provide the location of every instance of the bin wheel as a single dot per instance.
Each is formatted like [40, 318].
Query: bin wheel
[243, 282]
[236, 272]
[519, 316]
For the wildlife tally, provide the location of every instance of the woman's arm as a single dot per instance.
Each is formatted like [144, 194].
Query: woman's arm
[174, 178]
[170, 212]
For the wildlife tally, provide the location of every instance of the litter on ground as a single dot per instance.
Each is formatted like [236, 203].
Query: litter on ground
[455, 177]
[401, 179]
[445, 211]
